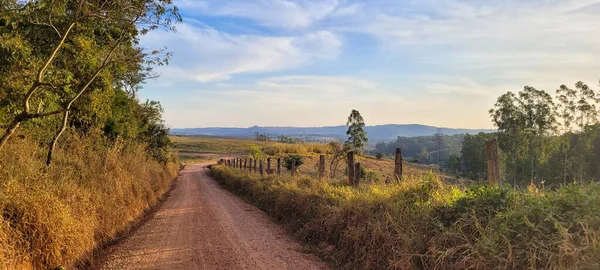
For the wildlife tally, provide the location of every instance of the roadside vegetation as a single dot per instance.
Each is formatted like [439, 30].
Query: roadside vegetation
[423, 222]
[80, 156]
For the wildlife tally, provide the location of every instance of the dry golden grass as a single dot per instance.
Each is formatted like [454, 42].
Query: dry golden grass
[377, 170]
[188, 147]
[90, 194]
[424, 223]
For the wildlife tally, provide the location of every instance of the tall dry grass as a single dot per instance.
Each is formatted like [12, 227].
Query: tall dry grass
[93, 191]
[423, 223]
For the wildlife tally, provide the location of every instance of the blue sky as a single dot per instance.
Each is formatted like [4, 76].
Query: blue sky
[309, 63]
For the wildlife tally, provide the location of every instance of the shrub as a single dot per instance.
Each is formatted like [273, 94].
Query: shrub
[288, 161]
[256, 153]
[372, 176]
[379, 155]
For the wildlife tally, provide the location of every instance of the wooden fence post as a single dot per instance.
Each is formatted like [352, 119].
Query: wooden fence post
[255, 160]
[398, 164]
[357, 174]
[228, 163]
[261, 167]
[279, 166]
[268, 165]
[250, 165]
[241, 163]
[293, 160]
[322, 166]
[245, 163]
[493, 163]
[350, 167]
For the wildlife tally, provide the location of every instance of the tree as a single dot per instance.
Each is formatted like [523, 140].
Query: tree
[455, 165]
[423, 156]
[357, 136]
[577, 109]
[524, 123]
[261, 137]
[288, 162]
[474, 157]
[337, 153]
[56, 52]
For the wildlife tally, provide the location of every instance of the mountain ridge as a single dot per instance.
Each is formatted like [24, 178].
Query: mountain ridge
[387, 132]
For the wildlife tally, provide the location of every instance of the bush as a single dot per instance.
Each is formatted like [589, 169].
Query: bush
[256, 153]
[379, 155]
[288, 162]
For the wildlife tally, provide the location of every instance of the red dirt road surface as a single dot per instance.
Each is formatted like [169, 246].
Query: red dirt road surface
[202, 226]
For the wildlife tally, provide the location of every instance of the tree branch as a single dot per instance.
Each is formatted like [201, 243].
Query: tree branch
[40, 74]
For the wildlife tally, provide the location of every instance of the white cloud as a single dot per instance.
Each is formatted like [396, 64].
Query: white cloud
[206, 55]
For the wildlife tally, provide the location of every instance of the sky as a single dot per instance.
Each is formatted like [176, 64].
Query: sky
[240, 63]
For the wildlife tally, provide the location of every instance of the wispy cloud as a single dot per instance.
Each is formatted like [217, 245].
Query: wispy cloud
[206, 55]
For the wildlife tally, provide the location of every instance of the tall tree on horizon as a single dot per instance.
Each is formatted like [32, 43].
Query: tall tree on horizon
[357, 136]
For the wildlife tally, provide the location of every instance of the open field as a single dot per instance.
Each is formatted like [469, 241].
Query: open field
[424, 223]
[201, 144]
[192, 149]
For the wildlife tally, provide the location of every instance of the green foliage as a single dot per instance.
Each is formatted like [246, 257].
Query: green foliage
[379, 155]
[287, 163]
[84, 62]
[474, 156]
[371, 176]
[455, 164]
[423, 156]
[357, 136]
[524, 123]
[256, 153]
[412, 147]
[542, 141]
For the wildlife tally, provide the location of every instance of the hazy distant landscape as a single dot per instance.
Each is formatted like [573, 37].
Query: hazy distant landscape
[376, 134]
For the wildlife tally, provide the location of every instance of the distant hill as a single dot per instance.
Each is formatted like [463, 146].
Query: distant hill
[375, 133]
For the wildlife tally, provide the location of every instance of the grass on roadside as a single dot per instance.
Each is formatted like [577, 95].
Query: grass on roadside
[92, 192]
[423, 223]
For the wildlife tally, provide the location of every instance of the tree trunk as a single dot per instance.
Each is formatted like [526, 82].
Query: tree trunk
[56, 137]
[351, 168]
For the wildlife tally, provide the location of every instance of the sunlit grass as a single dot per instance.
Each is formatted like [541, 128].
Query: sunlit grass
[424, 223]
[92, 192]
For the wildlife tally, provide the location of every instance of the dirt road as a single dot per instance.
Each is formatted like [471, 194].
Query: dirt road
[202, 226]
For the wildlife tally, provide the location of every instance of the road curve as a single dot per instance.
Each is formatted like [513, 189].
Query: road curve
[202, 226]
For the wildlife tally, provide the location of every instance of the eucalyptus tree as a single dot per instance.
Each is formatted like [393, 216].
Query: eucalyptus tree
[357, 136]
[524, 123]
[578, 111]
